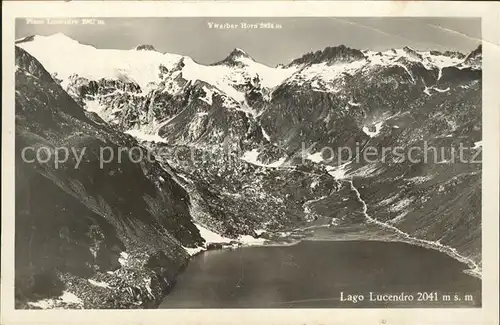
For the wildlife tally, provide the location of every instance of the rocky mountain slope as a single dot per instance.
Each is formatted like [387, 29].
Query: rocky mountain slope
[244, 139]
[94, 237]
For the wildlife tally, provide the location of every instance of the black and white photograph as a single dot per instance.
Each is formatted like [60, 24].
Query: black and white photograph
[239, 162]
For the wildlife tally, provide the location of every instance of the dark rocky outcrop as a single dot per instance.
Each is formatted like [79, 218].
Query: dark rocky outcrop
[330, 55]
[232, 59]
[75, 222]
[145, 47]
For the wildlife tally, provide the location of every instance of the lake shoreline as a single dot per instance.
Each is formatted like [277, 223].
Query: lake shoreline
[188, 282]
[271, 240]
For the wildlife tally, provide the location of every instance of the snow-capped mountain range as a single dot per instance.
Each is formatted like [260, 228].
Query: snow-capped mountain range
[238, 81]
[141, 65]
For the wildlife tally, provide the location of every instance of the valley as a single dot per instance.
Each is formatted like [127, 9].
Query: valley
[230, 165]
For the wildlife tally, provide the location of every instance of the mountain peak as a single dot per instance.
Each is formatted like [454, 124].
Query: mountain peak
[57, 37]
[145, 47]
[474, 58]
[448, 53]
[239, 52]
[409, 50]
[234, 58]
[476, 52]
[340, 53]
[412, 53]
[25, 39]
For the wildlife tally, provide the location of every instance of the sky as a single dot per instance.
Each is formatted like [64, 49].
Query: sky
[192, 36]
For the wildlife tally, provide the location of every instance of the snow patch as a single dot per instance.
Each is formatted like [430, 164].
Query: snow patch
[316, 157]
[94, 106]
[439, 61]
[407, 71]
[277, 163]
[441, 90]
[251, 157]
[71, 298]
[99, 283]
[428, 89]
[265, 135]
[314, 184]
[323, 74]
[398, 217]
[43, 304]
[210, 236]
[67, 298]
[373, 133]
[367, 171]
[147, 284]
[420, 179]
[251, 241]
[339, 172]
[208, 95]
[123, 259]
[143, 136]
[430, 61]
[259, 232]
[194, 251]
[402, 204]
[389, 200]
[225, 78]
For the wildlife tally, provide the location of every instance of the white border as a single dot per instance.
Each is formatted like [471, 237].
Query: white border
[488, 11]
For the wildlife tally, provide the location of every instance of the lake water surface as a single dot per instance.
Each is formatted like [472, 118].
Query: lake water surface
[321, 274]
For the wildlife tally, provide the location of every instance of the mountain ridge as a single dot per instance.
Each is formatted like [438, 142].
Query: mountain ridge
[234, 136]
[327, 52]
[78, 225]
